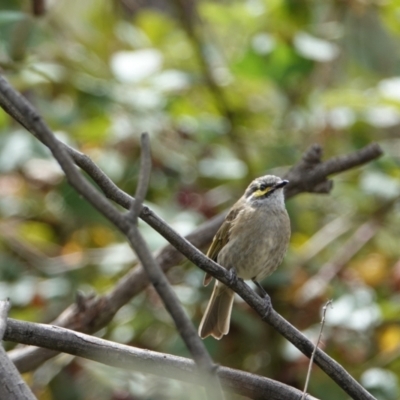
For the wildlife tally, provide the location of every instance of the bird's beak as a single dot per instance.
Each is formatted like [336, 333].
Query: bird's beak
[281, 184]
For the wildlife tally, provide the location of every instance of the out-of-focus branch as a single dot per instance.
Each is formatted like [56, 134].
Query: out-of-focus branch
[311, 174]
[38, 7]
[190, 21]
[311, 163]
[12, 386]
[143, 361]
[322, 238]
[318, 283]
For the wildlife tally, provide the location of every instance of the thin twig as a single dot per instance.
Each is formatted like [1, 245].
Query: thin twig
[328, 303]
[144, 178]
[163, 287]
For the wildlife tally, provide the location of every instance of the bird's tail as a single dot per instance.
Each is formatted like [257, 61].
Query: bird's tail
[216, 319]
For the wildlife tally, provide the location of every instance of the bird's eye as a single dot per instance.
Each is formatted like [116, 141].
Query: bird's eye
[262, 190]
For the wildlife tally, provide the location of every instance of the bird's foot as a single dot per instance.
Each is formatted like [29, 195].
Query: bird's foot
[233, 276]
[263, 293]
[267, 304]
[265, 296]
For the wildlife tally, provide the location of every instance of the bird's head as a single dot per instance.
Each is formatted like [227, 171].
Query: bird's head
[265, 190]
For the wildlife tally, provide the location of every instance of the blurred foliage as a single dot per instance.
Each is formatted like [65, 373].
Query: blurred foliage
[227, 91]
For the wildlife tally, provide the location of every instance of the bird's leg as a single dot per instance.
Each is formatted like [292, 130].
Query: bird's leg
[265, 296]
[262, 290]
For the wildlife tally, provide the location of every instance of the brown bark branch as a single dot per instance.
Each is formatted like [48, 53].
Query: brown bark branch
[311, 174]
[38, 7]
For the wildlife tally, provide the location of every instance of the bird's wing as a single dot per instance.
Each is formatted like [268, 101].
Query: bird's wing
[221, 238]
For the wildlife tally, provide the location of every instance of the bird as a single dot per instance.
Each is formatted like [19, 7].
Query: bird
[251, 243]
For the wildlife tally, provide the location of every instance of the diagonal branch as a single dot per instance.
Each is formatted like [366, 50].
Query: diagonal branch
[161, 284]
[15, 102]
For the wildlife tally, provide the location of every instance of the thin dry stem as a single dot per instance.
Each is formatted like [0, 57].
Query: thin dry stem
[328, 303]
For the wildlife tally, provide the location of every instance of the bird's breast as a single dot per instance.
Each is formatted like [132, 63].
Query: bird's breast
[257, 244]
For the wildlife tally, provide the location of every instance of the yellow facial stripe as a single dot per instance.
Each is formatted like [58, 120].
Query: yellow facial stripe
[259, 192]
